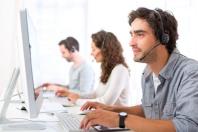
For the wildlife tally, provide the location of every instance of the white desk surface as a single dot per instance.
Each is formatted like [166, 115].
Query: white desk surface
[49, 120]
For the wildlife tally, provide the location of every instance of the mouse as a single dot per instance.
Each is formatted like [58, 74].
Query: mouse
[23, 108]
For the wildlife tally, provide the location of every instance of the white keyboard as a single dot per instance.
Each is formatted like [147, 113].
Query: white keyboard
[62, 100]
[50, 106]
[69, 122]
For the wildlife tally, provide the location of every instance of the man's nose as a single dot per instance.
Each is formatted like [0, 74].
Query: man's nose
[132, 41]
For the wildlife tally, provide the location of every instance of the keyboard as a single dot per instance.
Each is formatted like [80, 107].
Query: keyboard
[69, 122]
[52, 107]
[62, 100]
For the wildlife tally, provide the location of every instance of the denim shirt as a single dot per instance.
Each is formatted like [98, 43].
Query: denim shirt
[176, 97]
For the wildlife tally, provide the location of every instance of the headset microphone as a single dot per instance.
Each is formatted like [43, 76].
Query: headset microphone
[149, 51]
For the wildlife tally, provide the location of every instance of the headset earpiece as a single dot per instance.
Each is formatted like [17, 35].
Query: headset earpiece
[164, 39]
[72, 49]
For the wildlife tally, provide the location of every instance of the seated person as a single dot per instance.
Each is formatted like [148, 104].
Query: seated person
[81, 73]
[113, 88]
[169, 81]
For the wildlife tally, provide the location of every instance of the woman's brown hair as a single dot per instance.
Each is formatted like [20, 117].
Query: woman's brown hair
[111, 50]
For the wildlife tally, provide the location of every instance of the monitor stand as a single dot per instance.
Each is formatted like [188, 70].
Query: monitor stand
[6, 124]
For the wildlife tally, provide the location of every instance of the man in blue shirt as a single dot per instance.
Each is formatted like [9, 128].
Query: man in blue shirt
[81, 73]
[169, 81]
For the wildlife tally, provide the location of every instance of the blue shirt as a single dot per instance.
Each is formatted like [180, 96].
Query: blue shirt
[176, 97]
[81, 78]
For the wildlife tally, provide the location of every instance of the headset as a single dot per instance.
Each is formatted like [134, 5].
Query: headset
[73, 49]
[164, 37]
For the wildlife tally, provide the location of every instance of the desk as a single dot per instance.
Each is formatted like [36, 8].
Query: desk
[49, 120]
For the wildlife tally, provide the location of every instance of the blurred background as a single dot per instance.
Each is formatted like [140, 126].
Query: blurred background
[54, 20]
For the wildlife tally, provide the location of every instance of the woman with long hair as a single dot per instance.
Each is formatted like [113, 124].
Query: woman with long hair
[113, 88]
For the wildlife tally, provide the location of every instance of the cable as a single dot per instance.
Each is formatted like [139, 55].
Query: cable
[19, 94]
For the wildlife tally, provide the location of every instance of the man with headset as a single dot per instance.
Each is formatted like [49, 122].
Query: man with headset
[81, 73]
[169, 81]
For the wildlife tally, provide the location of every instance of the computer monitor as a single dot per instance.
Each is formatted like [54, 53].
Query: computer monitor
[33, 102]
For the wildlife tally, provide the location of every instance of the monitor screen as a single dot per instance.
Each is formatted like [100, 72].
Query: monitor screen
[33, 102]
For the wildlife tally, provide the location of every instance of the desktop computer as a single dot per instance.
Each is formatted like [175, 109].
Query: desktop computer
[33, 102]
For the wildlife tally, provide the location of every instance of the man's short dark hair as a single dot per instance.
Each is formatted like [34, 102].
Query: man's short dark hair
[70, 43]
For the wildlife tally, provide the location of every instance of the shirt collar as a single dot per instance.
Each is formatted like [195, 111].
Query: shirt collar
[167, 70]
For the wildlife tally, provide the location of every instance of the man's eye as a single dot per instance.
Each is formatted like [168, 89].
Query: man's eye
[140, 34]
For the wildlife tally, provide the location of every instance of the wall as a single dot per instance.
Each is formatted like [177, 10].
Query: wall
[98, 14]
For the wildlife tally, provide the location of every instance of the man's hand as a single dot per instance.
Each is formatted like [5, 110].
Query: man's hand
[62, 92]
[59, 90]
[55, 87]
[73, 97]
[37, 91]
[95, 105]
[100, 117]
